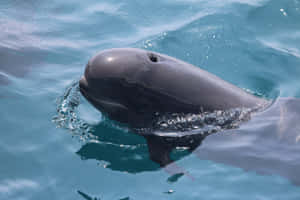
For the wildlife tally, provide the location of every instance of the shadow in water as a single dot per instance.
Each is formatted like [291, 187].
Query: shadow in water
[86, 196]
[130, 159]
[125, 151]
[122, 150]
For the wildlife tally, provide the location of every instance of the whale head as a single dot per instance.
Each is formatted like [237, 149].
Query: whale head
[119, 82]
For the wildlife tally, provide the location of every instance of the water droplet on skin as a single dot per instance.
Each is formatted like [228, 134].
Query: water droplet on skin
[204, 122]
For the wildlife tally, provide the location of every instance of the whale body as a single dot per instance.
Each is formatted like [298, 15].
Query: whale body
[131, 85]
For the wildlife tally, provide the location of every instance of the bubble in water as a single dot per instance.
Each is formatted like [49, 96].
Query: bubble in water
[202, 123]
[67, 116]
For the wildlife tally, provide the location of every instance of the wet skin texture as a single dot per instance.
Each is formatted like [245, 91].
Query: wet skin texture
[132, 85]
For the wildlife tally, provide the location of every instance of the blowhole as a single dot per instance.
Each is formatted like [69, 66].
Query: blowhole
[153, 57]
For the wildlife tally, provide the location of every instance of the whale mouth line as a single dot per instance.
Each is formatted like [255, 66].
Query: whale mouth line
[104, 102]
[83, 87]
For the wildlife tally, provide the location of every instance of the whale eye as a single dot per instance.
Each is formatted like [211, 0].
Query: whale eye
[153, 57]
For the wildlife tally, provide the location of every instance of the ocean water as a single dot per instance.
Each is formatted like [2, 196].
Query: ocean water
[55, 145]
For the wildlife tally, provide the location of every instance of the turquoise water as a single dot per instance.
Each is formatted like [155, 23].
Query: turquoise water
[44, 47]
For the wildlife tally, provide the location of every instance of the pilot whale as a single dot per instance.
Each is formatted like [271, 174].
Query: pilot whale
[131, 85]
[135, 87]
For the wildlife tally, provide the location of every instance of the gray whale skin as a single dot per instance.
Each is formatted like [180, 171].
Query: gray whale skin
[131, 85]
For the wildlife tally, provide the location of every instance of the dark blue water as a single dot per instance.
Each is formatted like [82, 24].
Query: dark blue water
[44, 46]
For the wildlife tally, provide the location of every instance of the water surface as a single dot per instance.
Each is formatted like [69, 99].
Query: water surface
[43, 50]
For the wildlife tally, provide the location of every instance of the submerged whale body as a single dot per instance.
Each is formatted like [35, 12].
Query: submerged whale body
[134, 86]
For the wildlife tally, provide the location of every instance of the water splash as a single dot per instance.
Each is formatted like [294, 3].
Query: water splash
[67, 116]
[187, 130]
[202, 123]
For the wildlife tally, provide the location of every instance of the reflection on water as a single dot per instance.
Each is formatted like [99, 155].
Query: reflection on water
[11, 186]
[127, 159]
